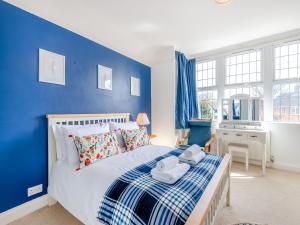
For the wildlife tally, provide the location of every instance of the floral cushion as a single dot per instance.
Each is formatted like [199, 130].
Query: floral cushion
[94, 147]
[135, 138]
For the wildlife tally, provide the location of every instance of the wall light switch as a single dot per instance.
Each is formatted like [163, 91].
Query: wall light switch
[34, 190]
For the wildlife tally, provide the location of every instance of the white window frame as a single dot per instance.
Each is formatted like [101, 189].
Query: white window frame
[214, 116]
[206, 61]
[274, 62]
[247, 84]
[249, 51]
[208, 88]
[284, 80]
[267, 47]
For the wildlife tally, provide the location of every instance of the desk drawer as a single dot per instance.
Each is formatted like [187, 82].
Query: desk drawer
[225, 135]
[233, 136]
[238, 136]
[257, 137]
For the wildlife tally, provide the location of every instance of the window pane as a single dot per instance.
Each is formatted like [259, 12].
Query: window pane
[206, 74]
[293, 49]
[293, 73]
[258, 56]
[253, 67]
[277, 52]
[239, 68]
[253, 57]
[246, 57]
[239, 59]
[293, 61]
[246, 68]
[284, 50]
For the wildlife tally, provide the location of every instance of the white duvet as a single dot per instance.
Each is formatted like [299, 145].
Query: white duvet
[81, 192]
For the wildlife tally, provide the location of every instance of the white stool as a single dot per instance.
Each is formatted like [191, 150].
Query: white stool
[239, 148]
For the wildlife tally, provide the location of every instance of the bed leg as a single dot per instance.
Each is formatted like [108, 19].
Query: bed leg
[228, 191]
[228, 198]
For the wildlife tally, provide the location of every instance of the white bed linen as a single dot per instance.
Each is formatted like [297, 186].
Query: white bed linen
[81, 192]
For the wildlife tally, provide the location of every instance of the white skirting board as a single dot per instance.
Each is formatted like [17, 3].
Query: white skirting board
[251, 161]
[23, 210]
[286, 167]
[276, 165]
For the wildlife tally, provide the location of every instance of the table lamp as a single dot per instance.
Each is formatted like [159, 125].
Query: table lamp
[142, 120]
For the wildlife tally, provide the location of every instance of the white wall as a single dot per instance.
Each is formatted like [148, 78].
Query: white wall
[285, 145]
[163, 88]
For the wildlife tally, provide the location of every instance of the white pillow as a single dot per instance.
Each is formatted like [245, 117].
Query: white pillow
[59, 142]
[117, 127]
[70, 131]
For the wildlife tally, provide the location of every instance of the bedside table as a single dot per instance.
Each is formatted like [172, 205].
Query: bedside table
[151, 136]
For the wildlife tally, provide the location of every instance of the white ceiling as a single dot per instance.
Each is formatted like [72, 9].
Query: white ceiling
[141, 28]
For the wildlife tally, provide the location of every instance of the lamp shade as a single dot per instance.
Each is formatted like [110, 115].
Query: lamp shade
[223, 2]
[142, 119]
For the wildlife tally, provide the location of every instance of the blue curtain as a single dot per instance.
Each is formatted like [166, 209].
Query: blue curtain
[192, 91]
[186, 99]
[182, 98]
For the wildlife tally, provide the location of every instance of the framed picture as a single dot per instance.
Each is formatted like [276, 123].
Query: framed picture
[51, 67]
[104, 77]
[135, 86]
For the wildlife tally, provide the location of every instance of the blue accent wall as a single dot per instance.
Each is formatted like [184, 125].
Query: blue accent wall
[24, 101]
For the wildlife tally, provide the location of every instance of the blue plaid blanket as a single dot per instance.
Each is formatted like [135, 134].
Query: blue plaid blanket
[136, 198]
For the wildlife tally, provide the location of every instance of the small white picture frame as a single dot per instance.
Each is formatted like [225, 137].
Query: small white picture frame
[51, 67]
[104, 77]
[135, 86]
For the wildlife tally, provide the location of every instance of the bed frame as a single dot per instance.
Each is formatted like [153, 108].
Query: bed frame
[213, 198]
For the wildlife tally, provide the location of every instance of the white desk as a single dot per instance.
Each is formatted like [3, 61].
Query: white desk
[233, 135]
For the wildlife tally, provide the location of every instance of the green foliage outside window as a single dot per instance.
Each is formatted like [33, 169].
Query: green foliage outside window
[206, 110]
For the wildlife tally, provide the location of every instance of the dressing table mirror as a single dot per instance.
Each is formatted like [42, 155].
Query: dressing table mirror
[243, 108]
[242, 123]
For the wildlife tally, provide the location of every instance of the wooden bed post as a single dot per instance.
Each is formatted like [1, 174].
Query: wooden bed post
[228, 191]
[215, 196]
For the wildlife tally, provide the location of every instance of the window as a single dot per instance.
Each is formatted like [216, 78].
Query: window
[243, 75]
[208, 104]
[206, 74]
[243, 68]
[286, 87]
[287, 61]
[286, 102]
[206, 88]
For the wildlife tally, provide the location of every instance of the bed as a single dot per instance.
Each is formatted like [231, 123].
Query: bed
[80, 193]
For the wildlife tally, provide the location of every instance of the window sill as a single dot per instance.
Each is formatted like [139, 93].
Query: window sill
[288, 123]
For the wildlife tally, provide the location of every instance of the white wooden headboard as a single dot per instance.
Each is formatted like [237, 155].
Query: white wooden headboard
[77, 119]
